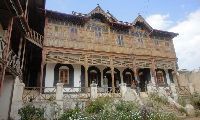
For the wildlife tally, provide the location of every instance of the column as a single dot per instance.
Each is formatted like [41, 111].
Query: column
[135, 73]
[86, 72]
[152, 77]
[41, 69]
[167, 77]
[113, 79]
[59, 95]
[86, 76]
[93, 93]
[17, 101]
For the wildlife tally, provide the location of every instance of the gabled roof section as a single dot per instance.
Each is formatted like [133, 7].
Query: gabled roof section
[99, 10]
[140, 19]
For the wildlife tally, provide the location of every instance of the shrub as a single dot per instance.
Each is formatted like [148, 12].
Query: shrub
[98, 105]
[126, 106]
[30, 112]
[71, 114]
[182, 101]
[160, 99]
[195, 100]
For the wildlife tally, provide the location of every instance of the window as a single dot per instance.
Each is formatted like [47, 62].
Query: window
[56, 28]
[73, 33]
[167, 44]
[98, 32]
[160, 77]
[64, 75]
[120, 40]
[140, 40]
[74, 30]
[156, 42]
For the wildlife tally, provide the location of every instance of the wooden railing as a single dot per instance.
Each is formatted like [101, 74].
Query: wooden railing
[108, 91]
[35, 38]
[31, 94]
[76, 93]
[2, 46]
[14, 63]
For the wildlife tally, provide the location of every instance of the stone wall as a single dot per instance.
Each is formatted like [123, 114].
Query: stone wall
[190, 79]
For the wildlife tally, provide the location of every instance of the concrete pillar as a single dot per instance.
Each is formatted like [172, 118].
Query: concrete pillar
[93, 92]
[113, 79]
[167, 77]
[123, 89]
[17, 101]
[59, 95]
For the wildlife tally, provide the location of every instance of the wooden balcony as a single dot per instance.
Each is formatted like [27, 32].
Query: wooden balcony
[35, 38]
[2, 47]
[12, 62]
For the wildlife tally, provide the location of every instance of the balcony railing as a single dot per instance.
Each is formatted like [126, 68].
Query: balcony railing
[35, 38]
[14, 63]
[2, 46]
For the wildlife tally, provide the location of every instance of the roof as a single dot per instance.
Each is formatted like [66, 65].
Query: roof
[79, 18]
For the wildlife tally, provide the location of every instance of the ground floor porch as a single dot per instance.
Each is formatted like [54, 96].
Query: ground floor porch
[107, 78]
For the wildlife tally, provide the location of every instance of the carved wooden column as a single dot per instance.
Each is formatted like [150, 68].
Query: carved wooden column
[135, 70]
[113, 79]
[20, 50]
[86, 71]
[153, 70]
[112, 75]
[5, 53]
[42, 68]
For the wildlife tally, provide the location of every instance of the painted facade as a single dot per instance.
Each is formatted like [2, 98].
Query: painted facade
[97, 46]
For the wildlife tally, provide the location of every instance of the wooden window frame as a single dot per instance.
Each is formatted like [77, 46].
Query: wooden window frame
[160, 78]
[120, 40]
[64, 68]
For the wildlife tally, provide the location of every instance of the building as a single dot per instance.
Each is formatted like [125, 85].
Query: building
[21, 38]
[44, 47]
[83, 48]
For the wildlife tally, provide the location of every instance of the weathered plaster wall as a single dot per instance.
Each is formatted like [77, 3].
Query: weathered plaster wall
[5, 97]
[193, 77]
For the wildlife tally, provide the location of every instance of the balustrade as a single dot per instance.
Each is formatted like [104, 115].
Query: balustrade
[35, 37]
[14, 62]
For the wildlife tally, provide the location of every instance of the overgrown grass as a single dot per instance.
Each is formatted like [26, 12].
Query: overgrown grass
[108, 109]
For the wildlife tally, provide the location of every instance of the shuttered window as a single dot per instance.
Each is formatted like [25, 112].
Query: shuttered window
[64, 76]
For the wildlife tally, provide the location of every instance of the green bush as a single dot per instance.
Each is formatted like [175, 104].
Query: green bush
[160, 99]
[71, 114]
[126, 106]
[182, 101]
[30, 112]
[195, 100]
[98, 105]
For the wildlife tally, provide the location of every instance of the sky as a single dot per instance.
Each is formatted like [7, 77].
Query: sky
[179, 16]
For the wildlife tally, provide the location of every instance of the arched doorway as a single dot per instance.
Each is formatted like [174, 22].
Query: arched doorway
[144, 78]
[128, 76]
[94, 74]
[117, 79]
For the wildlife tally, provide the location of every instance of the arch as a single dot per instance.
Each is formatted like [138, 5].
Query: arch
[71, 74]
[161, 77]
[94, 74]
[128, 76]
[107, 73]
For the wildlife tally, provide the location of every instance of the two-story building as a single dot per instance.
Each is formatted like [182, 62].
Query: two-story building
[96, 47]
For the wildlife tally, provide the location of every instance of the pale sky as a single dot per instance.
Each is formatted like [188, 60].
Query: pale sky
[180, 16]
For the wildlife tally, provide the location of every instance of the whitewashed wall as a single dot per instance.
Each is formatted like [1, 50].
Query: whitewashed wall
[6, 97]
[49, 78]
